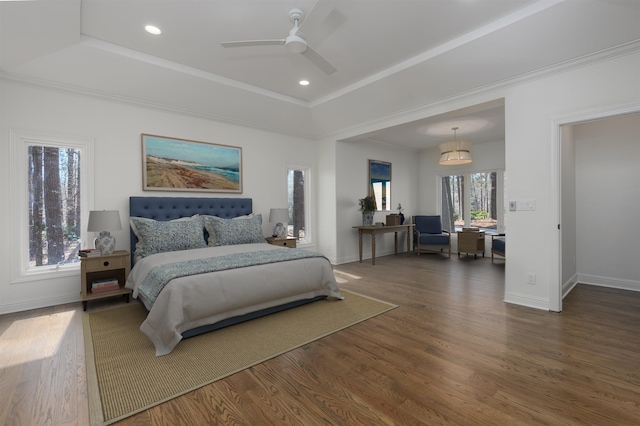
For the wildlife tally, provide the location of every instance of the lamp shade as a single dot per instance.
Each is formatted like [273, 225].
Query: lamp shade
[455, 152]
[104, 221]
[280, 217]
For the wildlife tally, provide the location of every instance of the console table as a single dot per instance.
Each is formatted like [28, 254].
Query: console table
[374, 230]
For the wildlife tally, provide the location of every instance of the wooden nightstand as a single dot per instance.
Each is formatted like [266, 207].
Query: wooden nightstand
[283, 242]
[110, 266]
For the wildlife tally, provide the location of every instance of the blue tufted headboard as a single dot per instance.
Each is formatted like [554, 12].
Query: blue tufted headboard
[169, 208]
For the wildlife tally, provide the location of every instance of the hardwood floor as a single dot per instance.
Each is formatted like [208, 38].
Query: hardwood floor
[451, 353]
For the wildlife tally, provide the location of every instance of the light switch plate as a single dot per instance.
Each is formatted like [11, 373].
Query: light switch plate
[527, 205]
[512, 206]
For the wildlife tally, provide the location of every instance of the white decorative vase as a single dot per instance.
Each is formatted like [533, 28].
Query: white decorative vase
[279, 231]
[367, 218]
[106, 243]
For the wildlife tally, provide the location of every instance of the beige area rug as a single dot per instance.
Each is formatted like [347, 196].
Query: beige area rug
[125, 377]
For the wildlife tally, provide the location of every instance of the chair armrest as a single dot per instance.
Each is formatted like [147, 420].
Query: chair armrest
[497, 235]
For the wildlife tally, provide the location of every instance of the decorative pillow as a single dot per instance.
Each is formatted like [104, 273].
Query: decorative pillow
[235, 231]
[212, 233]
[156, 236]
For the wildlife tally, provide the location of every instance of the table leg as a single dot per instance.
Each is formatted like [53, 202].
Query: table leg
[360, 241]
[373, 248]
[395, 235]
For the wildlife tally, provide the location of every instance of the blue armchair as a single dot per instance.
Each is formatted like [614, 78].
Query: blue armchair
[498, 245]
[428, 235]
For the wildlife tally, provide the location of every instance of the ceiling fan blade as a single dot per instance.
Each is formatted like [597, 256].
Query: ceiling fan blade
[250, 43]
[319, 61]
[318, 13]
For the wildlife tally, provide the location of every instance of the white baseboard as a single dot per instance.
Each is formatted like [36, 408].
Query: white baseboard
[526, 300]
[366, 256]
[632, 285]
[569, 285]
[40, 303]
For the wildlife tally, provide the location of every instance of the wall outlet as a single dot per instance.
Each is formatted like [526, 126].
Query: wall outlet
[531, 278]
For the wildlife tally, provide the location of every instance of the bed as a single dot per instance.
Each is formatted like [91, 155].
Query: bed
[192, 284]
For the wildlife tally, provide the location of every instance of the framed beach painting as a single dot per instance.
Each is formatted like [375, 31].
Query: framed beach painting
[171, 164]
[380, 183]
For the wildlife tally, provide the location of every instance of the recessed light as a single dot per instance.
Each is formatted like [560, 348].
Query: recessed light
[304, 82]
[152, 30]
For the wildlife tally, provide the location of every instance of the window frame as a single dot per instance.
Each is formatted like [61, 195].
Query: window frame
[500, 201]
[308, 230]
[20, 140]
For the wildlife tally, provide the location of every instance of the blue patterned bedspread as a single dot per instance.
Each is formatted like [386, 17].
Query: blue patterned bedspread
[160, 275]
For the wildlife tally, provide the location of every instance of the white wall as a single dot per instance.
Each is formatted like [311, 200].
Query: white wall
[533, 107]
[352, 174]
[608, 201]
[532, 110]
[116, 129]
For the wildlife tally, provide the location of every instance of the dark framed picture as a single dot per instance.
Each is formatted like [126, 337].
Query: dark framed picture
[171, 164]
[380, 183]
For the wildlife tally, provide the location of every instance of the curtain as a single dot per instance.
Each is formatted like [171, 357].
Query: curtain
[447, 205]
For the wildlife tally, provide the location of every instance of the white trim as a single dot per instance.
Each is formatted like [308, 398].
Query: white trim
[19, 142]
[555, 251]
[184, 69]
[464, 39]
[399, 117]
[569, 285]
[596, 280]
[526, 300]
[39, 303]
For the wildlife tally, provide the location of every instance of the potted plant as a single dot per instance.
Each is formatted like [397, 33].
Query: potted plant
[368, 208]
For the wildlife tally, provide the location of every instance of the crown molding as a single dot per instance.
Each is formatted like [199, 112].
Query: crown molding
[184, 69]
[398, 117]
[69, 89]
[444, 104]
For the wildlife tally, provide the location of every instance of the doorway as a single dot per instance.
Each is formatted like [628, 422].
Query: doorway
[597, 158]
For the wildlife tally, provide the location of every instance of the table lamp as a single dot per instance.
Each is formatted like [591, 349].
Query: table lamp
[104, 221]
[279, 217]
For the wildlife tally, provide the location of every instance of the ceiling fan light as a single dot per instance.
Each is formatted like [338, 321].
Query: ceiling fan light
[295, 44]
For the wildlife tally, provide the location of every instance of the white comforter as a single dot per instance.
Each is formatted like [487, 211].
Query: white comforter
[193, 301]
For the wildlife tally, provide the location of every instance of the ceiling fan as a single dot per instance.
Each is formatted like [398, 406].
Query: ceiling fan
[294, 43]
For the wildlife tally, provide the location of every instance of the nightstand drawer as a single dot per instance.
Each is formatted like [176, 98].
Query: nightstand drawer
[105, 263]
[282, 242]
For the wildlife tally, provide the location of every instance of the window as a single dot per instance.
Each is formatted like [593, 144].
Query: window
[380, 184]
[49, 208]
[298, 196]
[473, 200]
